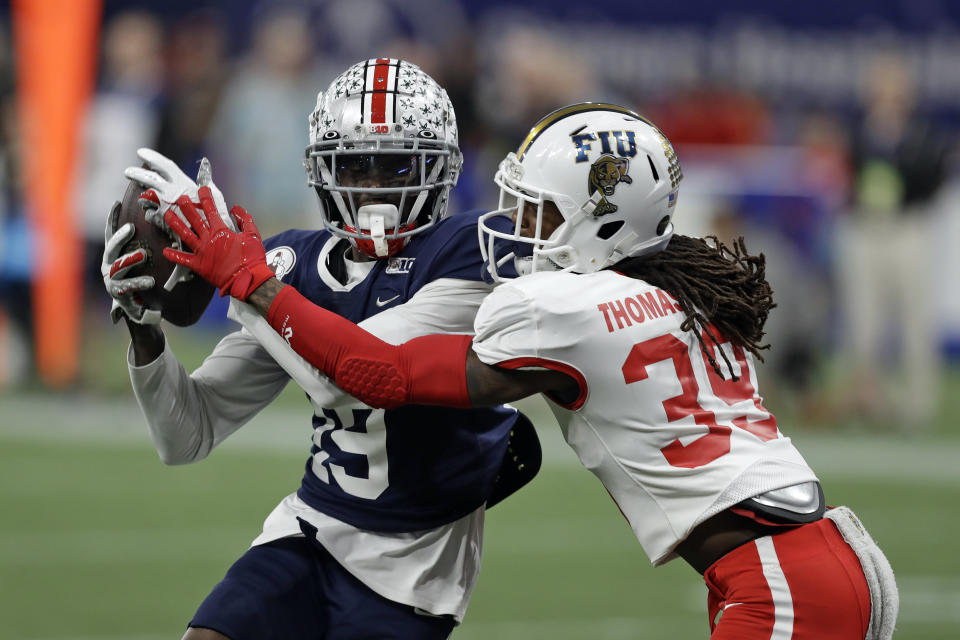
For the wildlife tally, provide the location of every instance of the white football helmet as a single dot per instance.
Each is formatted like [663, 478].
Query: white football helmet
[611, 173]
[383, 154]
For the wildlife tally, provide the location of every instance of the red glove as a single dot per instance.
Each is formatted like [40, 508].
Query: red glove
[233, 261]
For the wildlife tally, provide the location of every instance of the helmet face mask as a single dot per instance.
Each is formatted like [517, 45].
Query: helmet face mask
[612, 176]
[383, 154]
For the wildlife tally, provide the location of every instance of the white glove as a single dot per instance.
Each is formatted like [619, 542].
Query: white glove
[169, 183]
[114, 267]
[166, 184]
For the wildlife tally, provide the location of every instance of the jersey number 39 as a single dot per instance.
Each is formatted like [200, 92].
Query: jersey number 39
[716, 442]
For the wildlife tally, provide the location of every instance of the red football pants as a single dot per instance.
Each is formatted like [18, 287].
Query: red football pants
[803, 584]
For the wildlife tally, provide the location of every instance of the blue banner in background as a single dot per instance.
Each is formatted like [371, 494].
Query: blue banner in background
[922, 15]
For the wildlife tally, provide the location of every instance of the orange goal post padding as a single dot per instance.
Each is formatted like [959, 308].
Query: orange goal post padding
[56, 56]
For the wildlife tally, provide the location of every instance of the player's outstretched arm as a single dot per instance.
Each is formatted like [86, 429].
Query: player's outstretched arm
[435, 369]
[491, 385]
[431, 369]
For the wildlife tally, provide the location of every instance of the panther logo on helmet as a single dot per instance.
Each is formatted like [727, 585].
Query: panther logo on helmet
[605, 174]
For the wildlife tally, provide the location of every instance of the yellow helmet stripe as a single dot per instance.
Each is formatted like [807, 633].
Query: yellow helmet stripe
[573, 109]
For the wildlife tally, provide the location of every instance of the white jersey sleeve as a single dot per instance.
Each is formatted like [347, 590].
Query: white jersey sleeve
[188, 415]
[673, 441]
[516, 329]
[514, 326]
[506, 326]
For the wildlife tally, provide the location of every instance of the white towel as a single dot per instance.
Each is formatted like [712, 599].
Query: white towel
[884, 597]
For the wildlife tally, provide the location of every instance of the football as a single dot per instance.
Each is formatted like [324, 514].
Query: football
[186, 302]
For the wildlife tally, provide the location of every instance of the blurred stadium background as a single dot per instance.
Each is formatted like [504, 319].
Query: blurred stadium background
[816, 129]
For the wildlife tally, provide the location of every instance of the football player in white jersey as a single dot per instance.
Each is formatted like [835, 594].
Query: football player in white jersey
[644, 343]
[383, 537]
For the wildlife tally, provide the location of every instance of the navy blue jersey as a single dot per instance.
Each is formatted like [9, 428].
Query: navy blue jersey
[405, 469]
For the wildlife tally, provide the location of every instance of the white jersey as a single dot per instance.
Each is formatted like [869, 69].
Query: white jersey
[673, 442]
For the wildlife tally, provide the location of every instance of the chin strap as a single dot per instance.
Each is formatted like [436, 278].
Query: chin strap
[427, 370]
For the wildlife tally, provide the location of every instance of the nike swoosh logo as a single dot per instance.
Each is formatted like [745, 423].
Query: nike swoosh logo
[381, 303]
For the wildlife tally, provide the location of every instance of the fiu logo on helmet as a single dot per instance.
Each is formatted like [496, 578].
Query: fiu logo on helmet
[625, 142]
[605, 174]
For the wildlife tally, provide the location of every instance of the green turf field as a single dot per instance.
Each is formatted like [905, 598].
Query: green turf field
[99, 540]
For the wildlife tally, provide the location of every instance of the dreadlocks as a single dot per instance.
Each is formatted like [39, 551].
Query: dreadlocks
[714, 285]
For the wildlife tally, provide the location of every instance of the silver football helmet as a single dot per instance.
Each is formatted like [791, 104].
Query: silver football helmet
[612, 175]
[383, 154]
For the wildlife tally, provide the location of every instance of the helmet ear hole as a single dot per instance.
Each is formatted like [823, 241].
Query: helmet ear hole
[662, 225]
[606, 231]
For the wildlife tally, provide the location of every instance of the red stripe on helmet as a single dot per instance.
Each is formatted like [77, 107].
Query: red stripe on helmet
[378, 101]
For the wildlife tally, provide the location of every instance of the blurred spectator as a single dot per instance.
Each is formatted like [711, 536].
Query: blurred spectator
[16, 319]
[899, 161]
[197, 73]
[532, 74]
[527, 72]
[796, 327]
[259, 132]
[122, 117]
[713, 115]
[458, 75]
[827, 164]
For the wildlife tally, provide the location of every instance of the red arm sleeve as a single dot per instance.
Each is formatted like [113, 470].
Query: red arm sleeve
[426, 370]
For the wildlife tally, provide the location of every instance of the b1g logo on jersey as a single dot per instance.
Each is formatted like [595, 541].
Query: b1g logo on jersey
[399, 265]
[281, 260]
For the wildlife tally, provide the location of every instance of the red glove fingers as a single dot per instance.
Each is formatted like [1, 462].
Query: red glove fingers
[244, 220]
[233, 261]
[211, 217]
[187, 235]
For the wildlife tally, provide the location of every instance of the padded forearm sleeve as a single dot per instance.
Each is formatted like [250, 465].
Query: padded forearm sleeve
[426, 370]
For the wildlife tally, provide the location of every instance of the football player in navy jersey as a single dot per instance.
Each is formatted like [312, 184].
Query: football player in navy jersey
[383, 537]
[643, 343]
